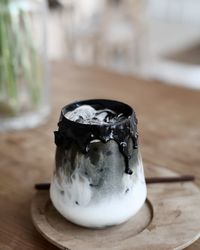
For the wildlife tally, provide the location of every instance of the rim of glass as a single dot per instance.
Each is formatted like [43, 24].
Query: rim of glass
[71, 106]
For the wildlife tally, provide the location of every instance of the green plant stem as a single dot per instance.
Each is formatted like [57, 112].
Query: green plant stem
[18, 60]
[8, 76]
[33, 72]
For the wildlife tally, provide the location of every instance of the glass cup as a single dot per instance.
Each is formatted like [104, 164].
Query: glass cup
[24, 83]
[98, 179]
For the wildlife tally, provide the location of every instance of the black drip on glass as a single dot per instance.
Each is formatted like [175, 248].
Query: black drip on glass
[83, 134]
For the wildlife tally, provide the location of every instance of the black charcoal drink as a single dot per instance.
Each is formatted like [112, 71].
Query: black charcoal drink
[98, 179]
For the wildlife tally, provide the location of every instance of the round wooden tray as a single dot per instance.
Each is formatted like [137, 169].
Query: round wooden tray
[169, 219]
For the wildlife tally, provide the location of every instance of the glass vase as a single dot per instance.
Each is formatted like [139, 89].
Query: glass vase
[23, 64]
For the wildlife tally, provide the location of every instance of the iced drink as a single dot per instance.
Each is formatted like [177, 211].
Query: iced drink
[98, 179]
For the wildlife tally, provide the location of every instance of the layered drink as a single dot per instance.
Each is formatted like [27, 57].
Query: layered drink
[98, 179]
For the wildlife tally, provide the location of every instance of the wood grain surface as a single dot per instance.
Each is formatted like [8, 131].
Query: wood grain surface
[169, 126]
[169, 219]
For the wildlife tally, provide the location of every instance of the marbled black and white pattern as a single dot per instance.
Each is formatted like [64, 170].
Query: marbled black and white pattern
[94, 188]
[86, 187]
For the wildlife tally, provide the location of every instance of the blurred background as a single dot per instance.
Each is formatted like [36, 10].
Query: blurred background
[151, 39]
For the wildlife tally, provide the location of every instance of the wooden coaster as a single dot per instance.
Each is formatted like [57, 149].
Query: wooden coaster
[169, 219]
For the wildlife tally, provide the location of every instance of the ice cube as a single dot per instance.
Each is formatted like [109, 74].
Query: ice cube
[86, 114]
[82, 114]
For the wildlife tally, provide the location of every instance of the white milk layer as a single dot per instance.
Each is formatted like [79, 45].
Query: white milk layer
[113, 210]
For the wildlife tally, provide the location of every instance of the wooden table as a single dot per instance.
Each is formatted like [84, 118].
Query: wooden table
[169, 125]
